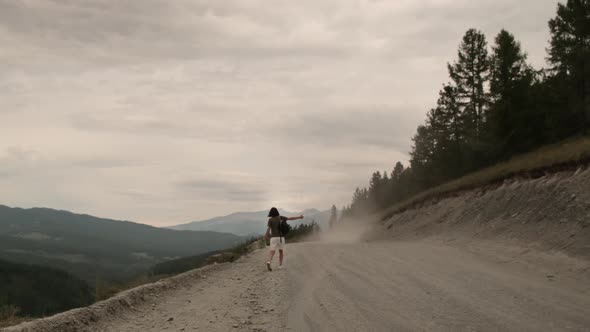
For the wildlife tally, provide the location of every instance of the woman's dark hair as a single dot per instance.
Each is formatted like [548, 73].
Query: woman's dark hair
[273, 212]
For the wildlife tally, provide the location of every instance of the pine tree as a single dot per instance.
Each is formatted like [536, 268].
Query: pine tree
[394, 186]
[384, 192]
[569, 55]
[469, 74]
[447, 132]
[357, 197]
[511, 116]
[507, 65]
[397, 171]
[360, 200]
[375, 188]
[448, 104]
[344, 213]
[422, 155]
[333, 217]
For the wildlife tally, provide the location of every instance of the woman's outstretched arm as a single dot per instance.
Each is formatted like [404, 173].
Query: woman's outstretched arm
[295, 218]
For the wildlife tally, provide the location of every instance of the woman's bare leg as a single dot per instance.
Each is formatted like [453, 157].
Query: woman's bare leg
[270, 256]
[281, 257]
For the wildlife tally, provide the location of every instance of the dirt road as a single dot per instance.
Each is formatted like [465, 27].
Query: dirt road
[427, 286]
[379, 286]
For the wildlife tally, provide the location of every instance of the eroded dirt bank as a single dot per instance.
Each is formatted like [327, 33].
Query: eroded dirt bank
[551, 213]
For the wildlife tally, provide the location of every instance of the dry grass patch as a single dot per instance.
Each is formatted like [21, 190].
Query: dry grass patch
[9, 316]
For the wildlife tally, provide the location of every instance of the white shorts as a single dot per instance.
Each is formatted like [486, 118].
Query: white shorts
[277, 243]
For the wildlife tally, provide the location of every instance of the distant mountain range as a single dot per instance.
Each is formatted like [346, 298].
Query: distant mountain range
[252, 223]
[91, 247]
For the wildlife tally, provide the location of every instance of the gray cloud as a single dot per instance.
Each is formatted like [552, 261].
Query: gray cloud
[362, 127]
[224, 190]
[128, 109]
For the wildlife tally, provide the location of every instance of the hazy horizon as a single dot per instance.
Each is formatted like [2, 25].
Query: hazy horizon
[168, 112]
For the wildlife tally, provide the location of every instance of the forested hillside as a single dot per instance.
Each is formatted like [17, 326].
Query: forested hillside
[38, 291]
[91, 247]
[495, 106]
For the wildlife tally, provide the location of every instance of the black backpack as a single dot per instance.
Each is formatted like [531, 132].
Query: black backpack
[284, 228]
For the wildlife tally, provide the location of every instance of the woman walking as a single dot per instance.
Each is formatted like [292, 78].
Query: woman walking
[277, 239]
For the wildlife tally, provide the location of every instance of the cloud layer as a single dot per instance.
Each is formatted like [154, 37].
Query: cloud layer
[169, 111]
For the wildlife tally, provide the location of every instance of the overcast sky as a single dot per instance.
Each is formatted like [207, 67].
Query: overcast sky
[164, 112]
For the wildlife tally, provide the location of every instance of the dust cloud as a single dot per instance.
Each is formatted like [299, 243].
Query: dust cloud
[350, 231]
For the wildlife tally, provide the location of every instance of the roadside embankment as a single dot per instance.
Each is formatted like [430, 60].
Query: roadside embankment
[549, 213]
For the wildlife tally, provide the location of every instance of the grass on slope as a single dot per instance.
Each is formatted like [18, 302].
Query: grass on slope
[9, 315]
[551, 158]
